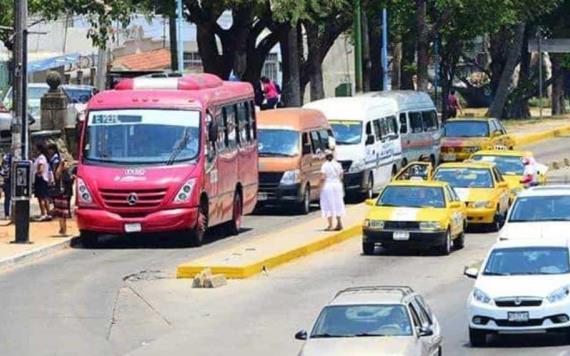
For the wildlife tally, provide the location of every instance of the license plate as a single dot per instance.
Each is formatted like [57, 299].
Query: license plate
[518, 317]
[401, 235]
[449, 157]
[133, 228]
[261, 196]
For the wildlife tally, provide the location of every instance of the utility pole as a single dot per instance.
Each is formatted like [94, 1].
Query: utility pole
[180, 38]
[358, 46]
[385, 49]
[20, 124]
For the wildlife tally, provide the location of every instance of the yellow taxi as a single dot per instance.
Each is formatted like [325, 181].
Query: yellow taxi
[465, 136]
[416, 214]
[511, 167]
[418, 170]
[482, 187]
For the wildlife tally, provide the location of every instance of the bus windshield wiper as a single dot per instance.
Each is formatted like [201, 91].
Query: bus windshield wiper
[180, 147]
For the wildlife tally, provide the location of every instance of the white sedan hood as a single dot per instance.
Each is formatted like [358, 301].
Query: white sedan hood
[360, 346]
[532, 230]
[521, 286]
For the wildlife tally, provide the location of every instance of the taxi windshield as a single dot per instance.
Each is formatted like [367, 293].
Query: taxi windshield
[362, 321]
[278, 142]
[508, 165]
[347, 132]
[541, 208]
[527, 261]
[142, 136]
[466, 129]
[465, 177]
[412, 196]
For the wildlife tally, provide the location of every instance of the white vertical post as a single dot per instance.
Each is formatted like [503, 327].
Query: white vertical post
[180, 18]
[385, 49]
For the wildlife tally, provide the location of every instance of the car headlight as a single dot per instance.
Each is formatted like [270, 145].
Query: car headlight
[357, 166]
[185, 192]
[559, 294]
[291, 177]
[374, 224]
[84, 195]
[430, 225]
[482, 204]
[481, 296]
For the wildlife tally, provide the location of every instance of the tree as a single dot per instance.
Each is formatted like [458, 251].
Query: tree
[422, 45]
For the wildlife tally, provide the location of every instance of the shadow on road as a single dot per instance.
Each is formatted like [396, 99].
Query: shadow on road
[527, 341]
[171, 240]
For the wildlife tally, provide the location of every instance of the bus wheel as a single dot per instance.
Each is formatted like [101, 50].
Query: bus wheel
[305, 206]
[237, 211]
[89, 239]
[197, 234]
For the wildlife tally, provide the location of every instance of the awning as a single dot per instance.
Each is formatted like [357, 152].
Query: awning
[53, 62]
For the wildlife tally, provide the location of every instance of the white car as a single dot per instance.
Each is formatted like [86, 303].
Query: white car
[378, 320]
[539, 212]
[523, 287]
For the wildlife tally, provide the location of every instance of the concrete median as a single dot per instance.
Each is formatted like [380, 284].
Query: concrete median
[522, 139]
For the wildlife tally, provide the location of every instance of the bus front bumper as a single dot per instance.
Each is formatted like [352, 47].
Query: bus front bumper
[104, 221]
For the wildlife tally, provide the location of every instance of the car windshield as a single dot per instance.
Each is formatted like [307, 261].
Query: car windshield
[508, 165]
[142, 136]
[527, 260]
[78, 95]
[410, 196]
[465, 177]
[466, 129]
[347, 132]
[278, 142]
[362, 320]
[541, 208]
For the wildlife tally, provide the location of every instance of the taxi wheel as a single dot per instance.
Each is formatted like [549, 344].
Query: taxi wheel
[368, 248]
[459, 241]
[370, 187]
[445, 249]
[496, 224]
[477, 338]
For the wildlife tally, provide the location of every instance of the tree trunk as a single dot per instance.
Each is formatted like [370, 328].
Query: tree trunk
[375, 42]
[422, 45]
[407, 66]
[173, 42]
[291, 92]
[397, 66]
[519, 107]
[366, 66]
[558, 86]
[314, 62]
[207, 47]
[498, 51]
[498, 104]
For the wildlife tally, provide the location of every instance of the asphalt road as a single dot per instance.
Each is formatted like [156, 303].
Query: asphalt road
[121, 298]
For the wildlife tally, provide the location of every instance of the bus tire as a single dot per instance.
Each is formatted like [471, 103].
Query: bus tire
[199, 231]
[234, 226]
[305, 205]
[89, 239]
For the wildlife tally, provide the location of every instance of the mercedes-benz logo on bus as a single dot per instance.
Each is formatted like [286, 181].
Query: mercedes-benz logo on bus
[132, 199]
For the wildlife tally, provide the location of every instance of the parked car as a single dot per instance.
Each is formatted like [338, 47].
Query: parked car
[465, 136]
[292, 143]
[523, 287]
[538, 212]
[377, 320]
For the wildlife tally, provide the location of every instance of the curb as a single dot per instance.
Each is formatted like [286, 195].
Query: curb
[529, 138]
[189, 270]
[21, 258]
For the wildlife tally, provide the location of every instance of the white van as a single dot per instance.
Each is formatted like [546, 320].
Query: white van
[419, 126]
[367, 140]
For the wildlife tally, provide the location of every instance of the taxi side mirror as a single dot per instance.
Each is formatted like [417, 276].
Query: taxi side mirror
[455, 205]
[503, 185]
[370, 202]
[496, 133]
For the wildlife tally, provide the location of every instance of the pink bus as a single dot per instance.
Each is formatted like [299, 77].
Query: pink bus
[167, 154]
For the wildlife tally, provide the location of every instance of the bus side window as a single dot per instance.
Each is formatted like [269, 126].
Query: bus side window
[378, 129]
[324, 139]
[230, 126]
[307, 147]
[403, 123]
[252, 121]
[316, 140]
[221, 142]
[416, 122]
[384, 127]
[393, 127]
[242, 126]
[369, 139]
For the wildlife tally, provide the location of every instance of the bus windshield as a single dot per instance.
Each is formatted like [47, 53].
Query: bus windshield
[347, 132]
[277, 142]
[142, 136]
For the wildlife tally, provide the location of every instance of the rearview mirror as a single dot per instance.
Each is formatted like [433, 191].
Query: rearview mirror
[503, 185]
[301, 335]
[471, 272]
[332, 143]
[455, 205]
[425, 331]
[370, 140]
[370, 202]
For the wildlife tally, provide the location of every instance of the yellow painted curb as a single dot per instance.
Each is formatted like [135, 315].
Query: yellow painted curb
[527, 139]
[189, 270]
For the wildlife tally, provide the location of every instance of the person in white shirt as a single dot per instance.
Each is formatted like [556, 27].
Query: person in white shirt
[41, 172]
[332, 192]
[530, 173]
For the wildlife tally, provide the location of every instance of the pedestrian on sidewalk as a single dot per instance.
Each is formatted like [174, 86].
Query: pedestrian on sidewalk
[64, 178]
[332, 192]
[5, 172]
[41, 173]
[270, 92]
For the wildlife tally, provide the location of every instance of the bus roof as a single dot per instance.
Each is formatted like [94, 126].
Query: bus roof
[295, 118]
[188, 92]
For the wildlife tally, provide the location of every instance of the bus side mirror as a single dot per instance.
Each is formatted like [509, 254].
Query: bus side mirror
[332, 143]
[212, 131]
[370, 140]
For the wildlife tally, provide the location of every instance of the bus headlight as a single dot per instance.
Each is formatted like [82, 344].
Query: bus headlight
[83, 194]
[185, 192]
[291, 177]
[357, 166]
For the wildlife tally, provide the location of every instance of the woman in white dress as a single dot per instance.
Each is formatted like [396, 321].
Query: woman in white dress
[332, 192]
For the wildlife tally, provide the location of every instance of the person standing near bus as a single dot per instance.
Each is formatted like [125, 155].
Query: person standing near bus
[41, 181]
[270, 92]
[332, 192]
